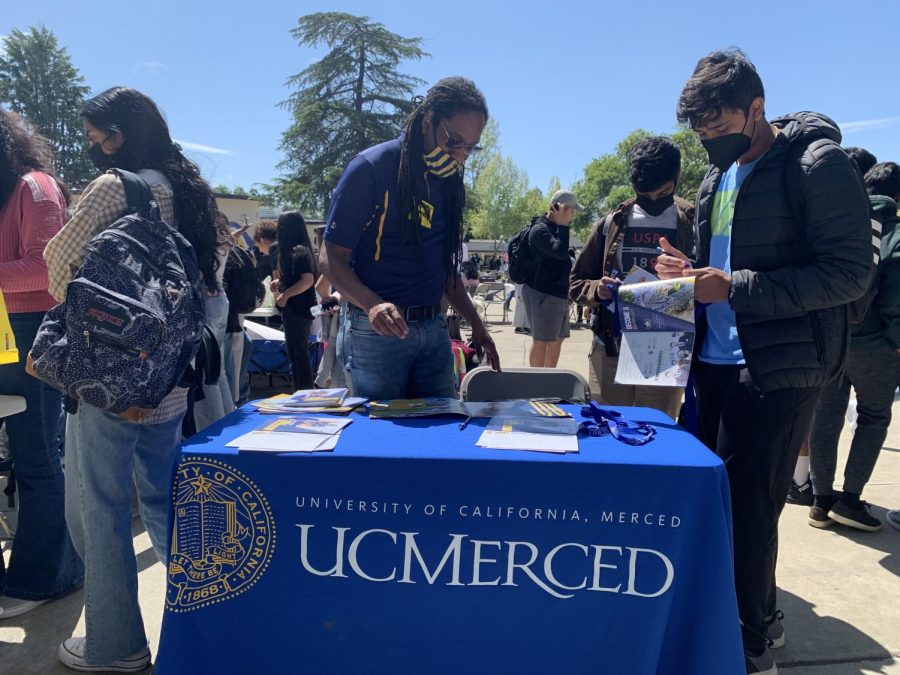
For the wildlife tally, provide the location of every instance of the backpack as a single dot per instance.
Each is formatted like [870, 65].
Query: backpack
[859, 308]
[522, 262]
[243, 286]
[133, 314]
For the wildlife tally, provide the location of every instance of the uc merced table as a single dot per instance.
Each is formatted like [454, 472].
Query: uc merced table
[409, 550]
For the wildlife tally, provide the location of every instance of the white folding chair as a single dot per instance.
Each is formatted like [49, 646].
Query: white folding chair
[486, 384]
[492, 293]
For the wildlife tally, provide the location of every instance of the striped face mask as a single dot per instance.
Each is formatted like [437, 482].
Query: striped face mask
[440, 163]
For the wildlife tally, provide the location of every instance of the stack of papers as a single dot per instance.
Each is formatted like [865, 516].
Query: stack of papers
[525, 440]
[306, 434]
[541, 434]
[307, 403]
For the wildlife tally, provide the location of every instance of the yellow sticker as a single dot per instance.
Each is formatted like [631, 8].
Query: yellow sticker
[426, 210]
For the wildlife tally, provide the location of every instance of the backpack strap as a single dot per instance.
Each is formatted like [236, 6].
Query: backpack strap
[138, 195]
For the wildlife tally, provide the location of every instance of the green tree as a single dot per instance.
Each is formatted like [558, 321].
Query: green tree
[352, 98]
[221, 188]
[39, 81]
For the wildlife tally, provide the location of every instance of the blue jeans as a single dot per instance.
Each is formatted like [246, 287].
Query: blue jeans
[385, 367]
[103, 453]
[43, 564]
[218, 400]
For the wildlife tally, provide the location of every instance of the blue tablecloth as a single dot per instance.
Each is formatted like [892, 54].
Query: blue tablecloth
[409, 550]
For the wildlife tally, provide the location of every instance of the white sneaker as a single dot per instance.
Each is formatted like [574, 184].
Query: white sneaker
[71, 654]
[10, 607]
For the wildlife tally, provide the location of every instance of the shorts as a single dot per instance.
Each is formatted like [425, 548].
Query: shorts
[548, 315]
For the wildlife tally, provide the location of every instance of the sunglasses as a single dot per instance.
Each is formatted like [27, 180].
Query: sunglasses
[454, 143]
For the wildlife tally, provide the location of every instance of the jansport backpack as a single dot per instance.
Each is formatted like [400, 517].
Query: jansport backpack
[243, 287]
[522, 262]
[133, 314]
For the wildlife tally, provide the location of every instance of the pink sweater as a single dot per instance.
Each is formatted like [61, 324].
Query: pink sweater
[33, 214]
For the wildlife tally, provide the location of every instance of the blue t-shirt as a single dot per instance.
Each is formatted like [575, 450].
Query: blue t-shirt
[365, 217]
[721, 345]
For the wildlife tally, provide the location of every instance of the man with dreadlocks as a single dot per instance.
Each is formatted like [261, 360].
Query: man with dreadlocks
[393, 242]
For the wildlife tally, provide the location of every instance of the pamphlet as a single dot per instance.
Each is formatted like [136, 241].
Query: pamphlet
[657, 323]
[533, 425]
[426, 407]
[267, 441]
[522, 440]
[316, 398]
[275, 405]
[305, 425]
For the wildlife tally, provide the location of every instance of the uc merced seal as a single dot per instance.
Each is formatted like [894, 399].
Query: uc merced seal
[223, 536]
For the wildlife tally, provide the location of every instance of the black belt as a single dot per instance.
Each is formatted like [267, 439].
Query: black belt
[415, 313]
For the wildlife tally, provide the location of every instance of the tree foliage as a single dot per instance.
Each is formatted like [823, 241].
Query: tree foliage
[499, 199]
[352, 98]
[39, 81]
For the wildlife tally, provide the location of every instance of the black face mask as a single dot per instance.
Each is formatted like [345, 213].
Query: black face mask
[725, 150]
[655, 207]
[102, 161]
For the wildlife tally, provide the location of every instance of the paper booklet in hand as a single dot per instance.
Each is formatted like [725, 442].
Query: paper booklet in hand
[657, 323]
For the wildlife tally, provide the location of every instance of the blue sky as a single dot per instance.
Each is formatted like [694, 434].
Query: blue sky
[565, 80]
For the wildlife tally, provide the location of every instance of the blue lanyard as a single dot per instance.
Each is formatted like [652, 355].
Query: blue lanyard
[603, 422]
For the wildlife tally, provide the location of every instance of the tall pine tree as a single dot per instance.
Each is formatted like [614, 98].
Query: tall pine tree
[352, 98]
[38, 81]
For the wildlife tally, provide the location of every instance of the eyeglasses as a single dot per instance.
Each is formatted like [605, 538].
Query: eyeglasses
[454, 143]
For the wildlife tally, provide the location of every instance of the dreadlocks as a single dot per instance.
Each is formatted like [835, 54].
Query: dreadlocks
[448, 97]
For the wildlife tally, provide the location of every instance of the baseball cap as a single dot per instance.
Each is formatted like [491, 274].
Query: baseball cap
[566, 198]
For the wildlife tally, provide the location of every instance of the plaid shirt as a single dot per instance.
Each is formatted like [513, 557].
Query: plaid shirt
[102, 203]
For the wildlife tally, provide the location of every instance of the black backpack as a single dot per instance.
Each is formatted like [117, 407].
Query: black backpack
[522, 261]
[859, 308]
[133, 314]
[243, 287]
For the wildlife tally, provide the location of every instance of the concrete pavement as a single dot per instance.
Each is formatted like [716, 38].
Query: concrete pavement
[839, 588]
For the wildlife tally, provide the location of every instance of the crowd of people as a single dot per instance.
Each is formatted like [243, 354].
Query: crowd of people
[779, 244]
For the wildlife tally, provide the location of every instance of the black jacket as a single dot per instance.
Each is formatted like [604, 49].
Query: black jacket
[800, 250]
[549, 244]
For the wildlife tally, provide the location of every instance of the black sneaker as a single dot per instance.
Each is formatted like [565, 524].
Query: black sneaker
[764, 664]
[858, 517]
[800, 494]
[774, 630]
[818, 517]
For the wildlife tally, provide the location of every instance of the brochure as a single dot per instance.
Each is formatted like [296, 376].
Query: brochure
[266, 441]
[657, 323]
[521, 440]
[316, 398]
[305, 425]
[275, 405]
[533, 425]
[426, 407]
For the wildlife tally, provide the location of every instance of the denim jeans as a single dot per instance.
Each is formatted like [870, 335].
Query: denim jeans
[104, 453]
[386, 367]
[43, 564]
[218, 400]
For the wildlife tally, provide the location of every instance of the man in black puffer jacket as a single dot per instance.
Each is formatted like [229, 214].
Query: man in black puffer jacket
[783, 244]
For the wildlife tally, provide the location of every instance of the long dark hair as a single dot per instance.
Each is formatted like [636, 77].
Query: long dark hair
[293, 239]
[445, 99]
[22, 149]
[148, 145]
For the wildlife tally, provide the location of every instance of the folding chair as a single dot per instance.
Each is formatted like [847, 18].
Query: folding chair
[492, 293]
[486, 384]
